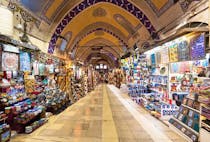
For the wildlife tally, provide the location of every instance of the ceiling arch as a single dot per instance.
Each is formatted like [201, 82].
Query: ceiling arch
[107, 31]
[106, 27]
[105, 50]
[97, 42]
[89, 58]
[108, 54]
[124, 4]
[105, 38]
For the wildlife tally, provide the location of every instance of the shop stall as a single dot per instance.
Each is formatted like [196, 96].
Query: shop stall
[166, 79]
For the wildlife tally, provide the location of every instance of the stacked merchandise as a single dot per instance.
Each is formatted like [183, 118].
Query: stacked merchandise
[25, 119]
[85, 84]
[158, 73]
[178, 69]
[96, 78]
[153, 102]
[90, 80]
[36, 124]
[5, 131]
[118, 77]
[204, 99]
[186, 120]
[77, 89]
[21, 112]
[68, 84]
[136, 71]
[187, 77]
[54, 100]
[61, 78]
[111, 78]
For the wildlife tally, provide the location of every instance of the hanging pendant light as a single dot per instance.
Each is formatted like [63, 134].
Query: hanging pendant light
[6, 18]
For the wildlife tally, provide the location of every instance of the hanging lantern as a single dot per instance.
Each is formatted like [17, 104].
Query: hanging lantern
[6, 24]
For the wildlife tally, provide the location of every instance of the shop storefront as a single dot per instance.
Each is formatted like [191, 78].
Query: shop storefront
[171, 81]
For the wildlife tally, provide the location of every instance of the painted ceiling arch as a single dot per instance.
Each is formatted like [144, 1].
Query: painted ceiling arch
[124, 4]
[52, 11]
[94, 31]
[108, 58]
[96, 54]
[106, 27]
[104, 37]
[109, 45]
[104, 50]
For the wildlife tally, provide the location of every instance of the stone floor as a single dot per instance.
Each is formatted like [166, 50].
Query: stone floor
[105, 115]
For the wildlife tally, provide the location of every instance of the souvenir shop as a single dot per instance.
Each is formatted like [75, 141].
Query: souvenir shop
[34, 84]
[116, 77]
[172, 82]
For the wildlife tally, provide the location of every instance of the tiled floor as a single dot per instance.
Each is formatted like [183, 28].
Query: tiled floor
[105, 115]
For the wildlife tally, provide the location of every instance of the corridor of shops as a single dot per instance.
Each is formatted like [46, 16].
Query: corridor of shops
[104, 71]
[105, 115]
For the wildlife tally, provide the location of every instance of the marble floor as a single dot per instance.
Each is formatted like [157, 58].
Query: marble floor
[105, 115]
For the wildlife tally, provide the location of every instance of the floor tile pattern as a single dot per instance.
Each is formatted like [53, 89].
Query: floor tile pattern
[98, 117]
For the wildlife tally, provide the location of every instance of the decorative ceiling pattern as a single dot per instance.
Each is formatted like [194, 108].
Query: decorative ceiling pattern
[98, 25]
[107, 57]
[126, 24]
[126, 5]
[99, 29]
[100, 42]
[186, 3]
[99, 12]
[104, 50]
[160, 6]
[46, 10]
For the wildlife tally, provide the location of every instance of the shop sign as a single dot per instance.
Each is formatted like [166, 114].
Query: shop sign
[11, 48]
[22, 44]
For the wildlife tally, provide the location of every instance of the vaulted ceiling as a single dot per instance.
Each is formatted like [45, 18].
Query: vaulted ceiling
[105, 28]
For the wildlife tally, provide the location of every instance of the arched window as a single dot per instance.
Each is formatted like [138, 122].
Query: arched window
[65, 41]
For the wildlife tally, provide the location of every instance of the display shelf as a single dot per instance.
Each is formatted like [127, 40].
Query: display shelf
[179, 92]
[191, 108]
[206, 115]
[172, 127]
[159, 75]
[160, 83]
[10, 104]
[30, 129]
[204, 78]
[29, 120]
[205, 125]
[24, 110]
[206, 106]
[183, 124]
[155, 90]
[5, 135]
